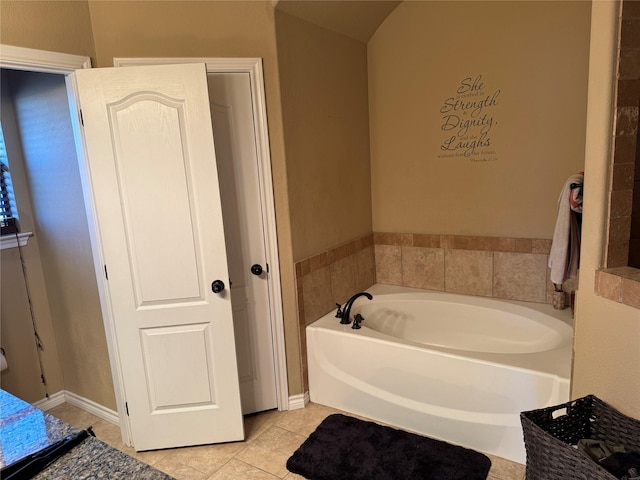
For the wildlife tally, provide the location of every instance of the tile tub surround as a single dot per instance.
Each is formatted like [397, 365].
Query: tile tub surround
[507, 268]
[331, 277]
[500, 267]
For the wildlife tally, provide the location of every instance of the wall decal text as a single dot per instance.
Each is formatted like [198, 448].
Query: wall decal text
[468, 121]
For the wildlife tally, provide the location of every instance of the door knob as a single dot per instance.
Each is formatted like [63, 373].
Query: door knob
[256, 269]
[217, 286]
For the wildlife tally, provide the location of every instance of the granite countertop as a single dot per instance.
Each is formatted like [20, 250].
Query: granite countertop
[25, 429]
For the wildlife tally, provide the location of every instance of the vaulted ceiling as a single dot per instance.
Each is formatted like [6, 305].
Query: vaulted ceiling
[358, 19]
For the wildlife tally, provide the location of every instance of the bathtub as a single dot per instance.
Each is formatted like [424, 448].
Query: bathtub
[453, 367]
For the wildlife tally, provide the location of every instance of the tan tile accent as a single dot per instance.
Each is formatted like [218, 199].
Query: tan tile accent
[344, 270]
[388, 264]
[343, 279]
[318, 261]
[520, 276]
[623, 176]
[427, 240]
[469, 271]
[447, 241]
[365, 268]
[413, 269]
[617, 254]
[406, 239]
[305, 267]
[384, 238]
[523, 245]
[423, 268]
[621, 201]
[341, 252]
[317, 296]
[609, 286]
[619, 229]
[541, 246]
[631, 292]
[620, 284]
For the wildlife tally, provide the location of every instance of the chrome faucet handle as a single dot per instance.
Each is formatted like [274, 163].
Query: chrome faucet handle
[339, 311]
[357, 320]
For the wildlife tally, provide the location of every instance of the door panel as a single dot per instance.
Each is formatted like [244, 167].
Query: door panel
[154, 184]
[232, 117]
[148, 129]
[176, 359]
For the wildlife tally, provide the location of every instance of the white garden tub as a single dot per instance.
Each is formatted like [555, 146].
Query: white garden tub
[454, 367]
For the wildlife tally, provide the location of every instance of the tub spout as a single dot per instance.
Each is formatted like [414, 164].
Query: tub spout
[346, 311]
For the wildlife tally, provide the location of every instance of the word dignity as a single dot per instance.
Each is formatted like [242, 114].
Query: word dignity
[468, 117]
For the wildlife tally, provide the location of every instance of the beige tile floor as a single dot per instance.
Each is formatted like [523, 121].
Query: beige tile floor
[271, 438]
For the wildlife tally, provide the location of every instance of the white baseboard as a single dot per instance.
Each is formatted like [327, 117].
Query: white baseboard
[92, 407]
[77, 401]
[296, 402]
[299, 401]
[54, 400]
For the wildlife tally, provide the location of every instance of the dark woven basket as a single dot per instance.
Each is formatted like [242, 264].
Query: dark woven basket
[550, 442]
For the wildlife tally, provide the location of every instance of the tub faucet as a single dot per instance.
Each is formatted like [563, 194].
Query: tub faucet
[346, 311]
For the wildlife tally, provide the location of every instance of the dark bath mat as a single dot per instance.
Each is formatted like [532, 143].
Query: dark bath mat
[344, 447]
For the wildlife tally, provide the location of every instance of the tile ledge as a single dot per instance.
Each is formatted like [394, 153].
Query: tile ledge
[627, 274]
[624, 272]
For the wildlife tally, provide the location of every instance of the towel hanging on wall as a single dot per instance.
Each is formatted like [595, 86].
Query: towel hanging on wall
[564, 257]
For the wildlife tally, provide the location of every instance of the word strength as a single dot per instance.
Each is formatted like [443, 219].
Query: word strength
[468, 117]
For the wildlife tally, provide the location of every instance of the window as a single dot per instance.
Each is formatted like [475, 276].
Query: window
[8, 209]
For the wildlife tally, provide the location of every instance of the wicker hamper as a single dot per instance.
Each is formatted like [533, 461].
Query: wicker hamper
[550, 442]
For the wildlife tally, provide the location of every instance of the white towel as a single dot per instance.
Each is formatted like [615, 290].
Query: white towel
[561, 244]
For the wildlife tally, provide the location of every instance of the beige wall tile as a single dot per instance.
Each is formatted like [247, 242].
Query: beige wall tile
[316, 293]
[520, 276]
[631, 292]
[388, 264]
[423, 268]
[609, 286]
[469, 271]
[365, 268]
[343, 279]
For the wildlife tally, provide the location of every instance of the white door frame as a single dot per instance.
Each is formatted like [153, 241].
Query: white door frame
[19, 58]
[253, 67]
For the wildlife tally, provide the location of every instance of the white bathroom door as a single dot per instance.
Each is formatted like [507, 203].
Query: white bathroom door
[235, 142]
[152, 171]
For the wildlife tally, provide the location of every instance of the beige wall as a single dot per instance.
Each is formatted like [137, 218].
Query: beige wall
[60, 26]
[63, 235]
[535, 54]
[323, 79]
[16, 333]
[607, 352]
